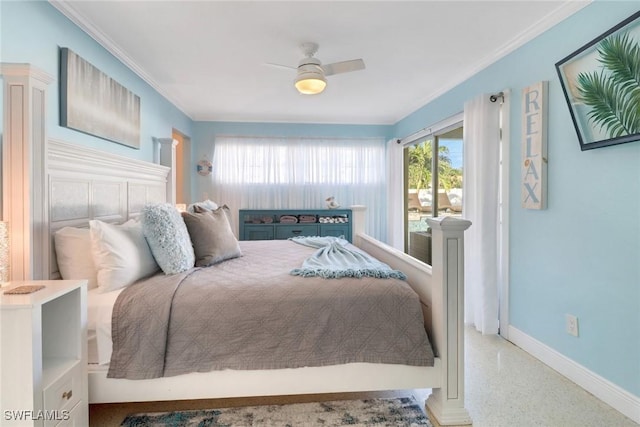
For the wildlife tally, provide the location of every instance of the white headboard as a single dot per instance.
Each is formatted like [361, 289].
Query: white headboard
[85, 184]
[48, 184]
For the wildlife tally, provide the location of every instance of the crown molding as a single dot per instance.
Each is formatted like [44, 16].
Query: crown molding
[67, 9]
[550, 20]
[562, 12]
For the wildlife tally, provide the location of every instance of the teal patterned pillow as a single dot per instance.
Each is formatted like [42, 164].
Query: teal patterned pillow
[168, 237]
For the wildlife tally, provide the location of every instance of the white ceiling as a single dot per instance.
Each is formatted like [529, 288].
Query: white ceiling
[209, 57]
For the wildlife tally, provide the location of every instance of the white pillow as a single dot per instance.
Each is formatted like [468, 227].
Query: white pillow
[73, 253]
[121, 254]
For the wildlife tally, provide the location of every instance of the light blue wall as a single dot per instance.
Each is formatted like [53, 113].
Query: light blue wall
[32, 32]
[205, 133]
[579, 256]
[582, 254]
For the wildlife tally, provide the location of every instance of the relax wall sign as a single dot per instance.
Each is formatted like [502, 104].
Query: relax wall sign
[534, 146]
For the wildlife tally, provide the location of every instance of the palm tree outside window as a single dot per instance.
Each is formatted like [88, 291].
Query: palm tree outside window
[420, 181]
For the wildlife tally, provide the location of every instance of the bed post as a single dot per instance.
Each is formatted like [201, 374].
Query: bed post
[446, 404]
[358, 220]
[24, 195]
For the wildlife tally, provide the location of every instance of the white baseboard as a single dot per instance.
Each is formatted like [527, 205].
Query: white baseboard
[616, 397]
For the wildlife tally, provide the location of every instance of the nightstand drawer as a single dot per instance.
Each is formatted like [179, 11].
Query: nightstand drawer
[294, 230]
[64, 393]
[76, 418]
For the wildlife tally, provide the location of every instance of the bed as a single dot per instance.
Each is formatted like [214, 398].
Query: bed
[249, 312]
[86, 184]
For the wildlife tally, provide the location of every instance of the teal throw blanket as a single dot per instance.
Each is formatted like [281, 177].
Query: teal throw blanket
[334, 260]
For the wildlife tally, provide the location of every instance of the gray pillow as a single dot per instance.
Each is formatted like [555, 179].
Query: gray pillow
[211, 235]
[200, 208]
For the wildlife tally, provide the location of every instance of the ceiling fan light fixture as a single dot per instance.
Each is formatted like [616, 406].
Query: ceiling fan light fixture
[310, 80]
[311, 86]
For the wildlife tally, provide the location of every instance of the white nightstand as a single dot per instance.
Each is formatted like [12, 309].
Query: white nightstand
[43, 356]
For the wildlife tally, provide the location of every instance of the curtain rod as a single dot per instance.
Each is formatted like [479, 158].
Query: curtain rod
[435, 129]
[336, 138]
[426, 131]
[429, 129]
[495, 97]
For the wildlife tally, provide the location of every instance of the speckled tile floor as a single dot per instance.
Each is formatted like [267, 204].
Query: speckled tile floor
[505, 387]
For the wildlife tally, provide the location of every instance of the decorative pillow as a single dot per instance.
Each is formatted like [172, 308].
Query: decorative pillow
[211, 235]
[205, 204]
[120, 253]
[73, 253]
[168, 237]
[225, 208]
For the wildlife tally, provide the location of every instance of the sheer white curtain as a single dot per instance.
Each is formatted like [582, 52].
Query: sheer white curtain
[282, 173]
[395, 195]
[480, 206]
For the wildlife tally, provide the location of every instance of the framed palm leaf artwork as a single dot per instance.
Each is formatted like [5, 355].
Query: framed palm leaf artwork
[601, 83]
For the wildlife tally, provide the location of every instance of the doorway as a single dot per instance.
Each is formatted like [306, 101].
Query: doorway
[429, 194]
[183, 169]
[422, 154]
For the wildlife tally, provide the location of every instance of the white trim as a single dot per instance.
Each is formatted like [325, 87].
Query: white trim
[67, 9]
[613, 395]
[552, 19]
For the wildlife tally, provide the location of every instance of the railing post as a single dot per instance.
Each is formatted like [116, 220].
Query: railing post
[358, 220]
[446, 404]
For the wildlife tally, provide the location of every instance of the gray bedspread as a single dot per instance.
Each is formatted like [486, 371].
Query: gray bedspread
[250, 313]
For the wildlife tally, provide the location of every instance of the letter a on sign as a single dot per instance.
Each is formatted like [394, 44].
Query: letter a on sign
[533, 180]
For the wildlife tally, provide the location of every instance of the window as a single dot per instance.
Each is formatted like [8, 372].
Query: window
[281, 173]
[430, 194]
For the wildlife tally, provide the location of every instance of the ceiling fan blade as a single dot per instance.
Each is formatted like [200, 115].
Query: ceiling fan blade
[343, 67]
[280, 66]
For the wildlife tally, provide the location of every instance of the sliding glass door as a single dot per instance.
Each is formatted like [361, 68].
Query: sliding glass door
[430, 194]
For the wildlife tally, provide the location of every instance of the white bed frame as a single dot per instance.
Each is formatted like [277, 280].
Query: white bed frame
[80, 184]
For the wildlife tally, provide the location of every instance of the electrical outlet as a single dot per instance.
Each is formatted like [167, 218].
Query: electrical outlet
[572, 324]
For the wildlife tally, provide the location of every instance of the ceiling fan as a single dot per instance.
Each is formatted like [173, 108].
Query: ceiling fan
[311, 78]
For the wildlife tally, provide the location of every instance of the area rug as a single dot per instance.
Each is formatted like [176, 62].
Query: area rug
[402, 411]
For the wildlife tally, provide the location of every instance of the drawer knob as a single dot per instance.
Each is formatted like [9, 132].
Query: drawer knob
[67, 394]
